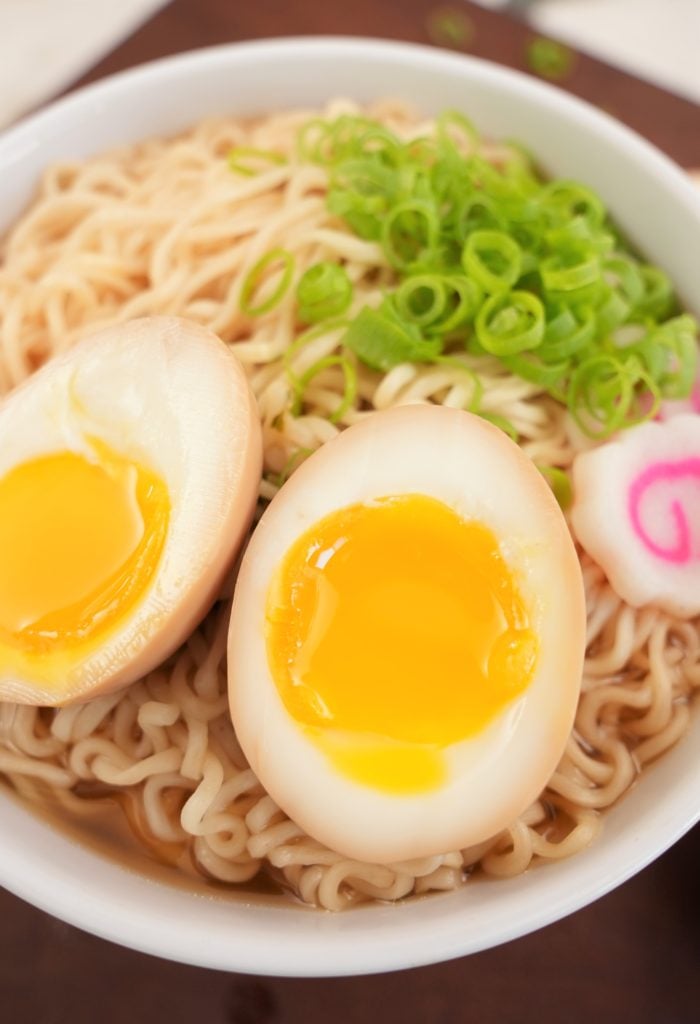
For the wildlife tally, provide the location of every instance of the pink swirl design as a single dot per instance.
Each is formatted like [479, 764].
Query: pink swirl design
[680, 553]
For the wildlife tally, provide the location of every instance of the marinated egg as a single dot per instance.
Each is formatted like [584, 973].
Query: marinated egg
[129, 470]
[407, 637]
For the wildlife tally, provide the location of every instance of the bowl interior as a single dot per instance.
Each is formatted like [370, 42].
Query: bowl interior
[660, 214]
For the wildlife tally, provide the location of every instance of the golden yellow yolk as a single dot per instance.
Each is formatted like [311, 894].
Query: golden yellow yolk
[81, 537]
[393, 630]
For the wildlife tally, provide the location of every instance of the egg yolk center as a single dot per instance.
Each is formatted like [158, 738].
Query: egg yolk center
[81, 537]
[395, 629]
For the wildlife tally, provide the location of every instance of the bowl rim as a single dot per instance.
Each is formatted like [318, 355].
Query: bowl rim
[549, 93]
[131, 924]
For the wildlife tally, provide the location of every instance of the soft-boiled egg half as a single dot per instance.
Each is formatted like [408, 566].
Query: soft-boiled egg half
[129, 469]
[407, 637]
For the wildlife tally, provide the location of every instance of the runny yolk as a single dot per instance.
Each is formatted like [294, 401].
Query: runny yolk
[395, 629]
[81, 537]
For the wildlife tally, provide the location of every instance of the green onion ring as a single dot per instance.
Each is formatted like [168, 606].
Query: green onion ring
[254, 278]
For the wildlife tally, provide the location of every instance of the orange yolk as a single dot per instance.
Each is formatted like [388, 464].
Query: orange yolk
[81, 538]
[395, 629]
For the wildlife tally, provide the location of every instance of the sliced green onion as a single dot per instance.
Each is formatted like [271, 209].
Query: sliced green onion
[564, 200]
[422, 299]
[670, 355]
[487, 258]
[550, 59]
[410, 234]
[437, 304]
[457, 364]
[349, 135]
[607, 394]
[578, 233]
[361, 192]
[560, 483]
[567, 333]
[304, 339]
[364, 177]
[548, 376]
[625, 275]
[449, 26]
[493, 260]
[502, 423]
[567, 272]
[657, 300]
[294, 460]
[349, 389]
[464, 298]
[328, 142]
[511, 323]
[378, 142]
[612, 311]
[312, 139]
[324, 291]
[259, 274]
[477, 212]
[247, 160]
[382, 341]
[451, 126]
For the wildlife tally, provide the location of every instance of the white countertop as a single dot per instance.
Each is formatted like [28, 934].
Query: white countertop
[47, 44]
[655, 39]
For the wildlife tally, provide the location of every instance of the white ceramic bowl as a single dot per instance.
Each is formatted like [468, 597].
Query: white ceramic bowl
[658, 210]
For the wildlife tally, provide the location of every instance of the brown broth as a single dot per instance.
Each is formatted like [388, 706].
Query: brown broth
[106, 823]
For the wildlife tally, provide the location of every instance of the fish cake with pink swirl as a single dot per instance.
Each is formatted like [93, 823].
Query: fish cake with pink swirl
[637, 513]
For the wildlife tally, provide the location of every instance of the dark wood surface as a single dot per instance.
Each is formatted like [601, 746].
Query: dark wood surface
[634, 955]
[669, 121]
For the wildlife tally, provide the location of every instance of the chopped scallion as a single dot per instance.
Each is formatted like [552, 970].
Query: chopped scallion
[550, 59]
[489, 259]
[324, 291]
[276, 266]
[382, 341]
[249, 161]
[560, 483]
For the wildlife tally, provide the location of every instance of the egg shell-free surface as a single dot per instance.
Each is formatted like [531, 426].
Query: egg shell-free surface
[169, 395]
[475, 469]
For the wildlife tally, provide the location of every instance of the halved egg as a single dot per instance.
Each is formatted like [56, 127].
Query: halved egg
[129, 470]
[407, 637]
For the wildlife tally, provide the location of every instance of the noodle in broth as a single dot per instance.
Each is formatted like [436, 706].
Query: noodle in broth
[166, 228]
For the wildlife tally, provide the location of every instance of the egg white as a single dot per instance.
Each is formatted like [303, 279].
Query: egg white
[170, 396]
[475, 469]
